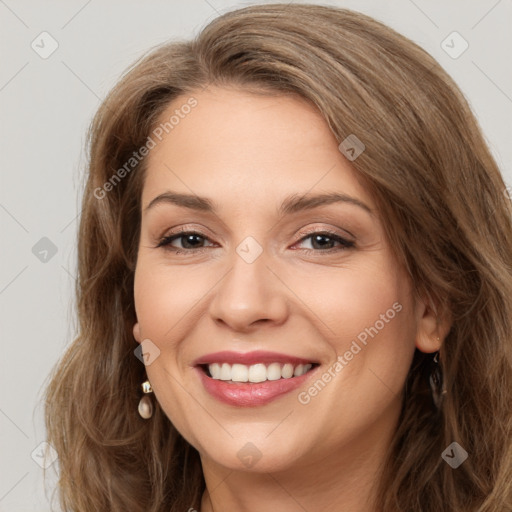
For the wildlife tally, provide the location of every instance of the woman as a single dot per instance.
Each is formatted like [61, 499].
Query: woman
[295, 281]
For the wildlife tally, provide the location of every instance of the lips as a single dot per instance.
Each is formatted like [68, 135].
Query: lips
[251, 379]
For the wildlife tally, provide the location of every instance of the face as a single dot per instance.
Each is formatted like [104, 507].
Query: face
[279, 326]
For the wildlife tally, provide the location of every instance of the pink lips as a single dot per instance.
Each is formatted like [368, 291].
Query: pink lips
[248, 394]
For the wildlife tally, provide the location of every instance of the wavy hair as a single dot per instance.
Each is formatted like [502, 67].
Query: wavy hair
[446, 213]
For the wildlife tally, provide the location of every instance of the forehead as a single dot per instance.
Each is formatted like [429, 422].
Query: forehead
[234, 144]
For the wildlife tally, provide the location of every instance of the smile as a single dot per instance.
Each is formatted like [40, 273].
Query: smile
[254, 378]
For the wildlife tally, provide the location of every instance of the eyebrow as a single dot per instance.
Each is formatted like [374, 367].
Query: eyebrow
[291, 204]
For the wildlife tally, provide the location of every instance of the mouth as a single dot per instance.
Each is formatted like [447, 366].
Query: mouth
[252, 379]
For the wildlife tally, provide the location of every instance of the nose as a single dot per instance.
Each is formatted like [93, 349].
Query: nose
[250, 294]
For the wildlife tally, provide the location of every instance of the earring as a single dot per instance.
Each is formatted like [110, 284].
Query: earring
[436, 381]
[145, 404]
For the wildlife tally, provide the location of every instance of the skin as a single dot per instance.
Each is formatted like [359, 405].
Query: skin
[247, 153]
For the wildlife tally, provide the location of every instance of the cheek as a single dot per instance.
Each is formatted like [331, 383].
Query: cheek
[349, 300]
[165, 299]
[366, 317]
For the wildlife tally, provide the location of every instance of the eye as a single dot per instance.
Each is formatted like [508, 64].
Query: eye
[324, 241]
[189, 240]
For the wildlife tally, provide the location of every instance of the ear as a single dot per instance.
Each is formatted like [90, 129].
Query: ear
[136, 332]
[432, 327]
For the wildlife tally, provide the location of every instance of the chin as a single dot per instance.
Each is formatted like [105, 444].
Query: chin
[254, 457]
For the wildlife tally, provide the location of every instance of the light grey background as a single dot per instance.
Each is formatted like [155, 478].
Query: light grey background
[46, 106]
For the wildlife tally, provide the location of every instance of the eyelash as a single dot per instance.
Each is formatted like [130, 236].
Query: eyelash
[166, 241]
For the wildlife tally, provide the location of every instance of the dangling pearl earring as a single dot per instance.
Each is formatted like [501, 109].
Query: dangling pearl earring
[145, 404]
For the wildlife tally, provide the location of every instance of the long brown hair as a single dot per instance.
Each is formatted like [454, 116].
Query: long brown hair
[447, 216]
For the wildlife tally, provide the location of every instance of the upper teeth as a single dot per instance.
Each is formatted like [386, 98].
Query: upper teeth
[256, 372]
